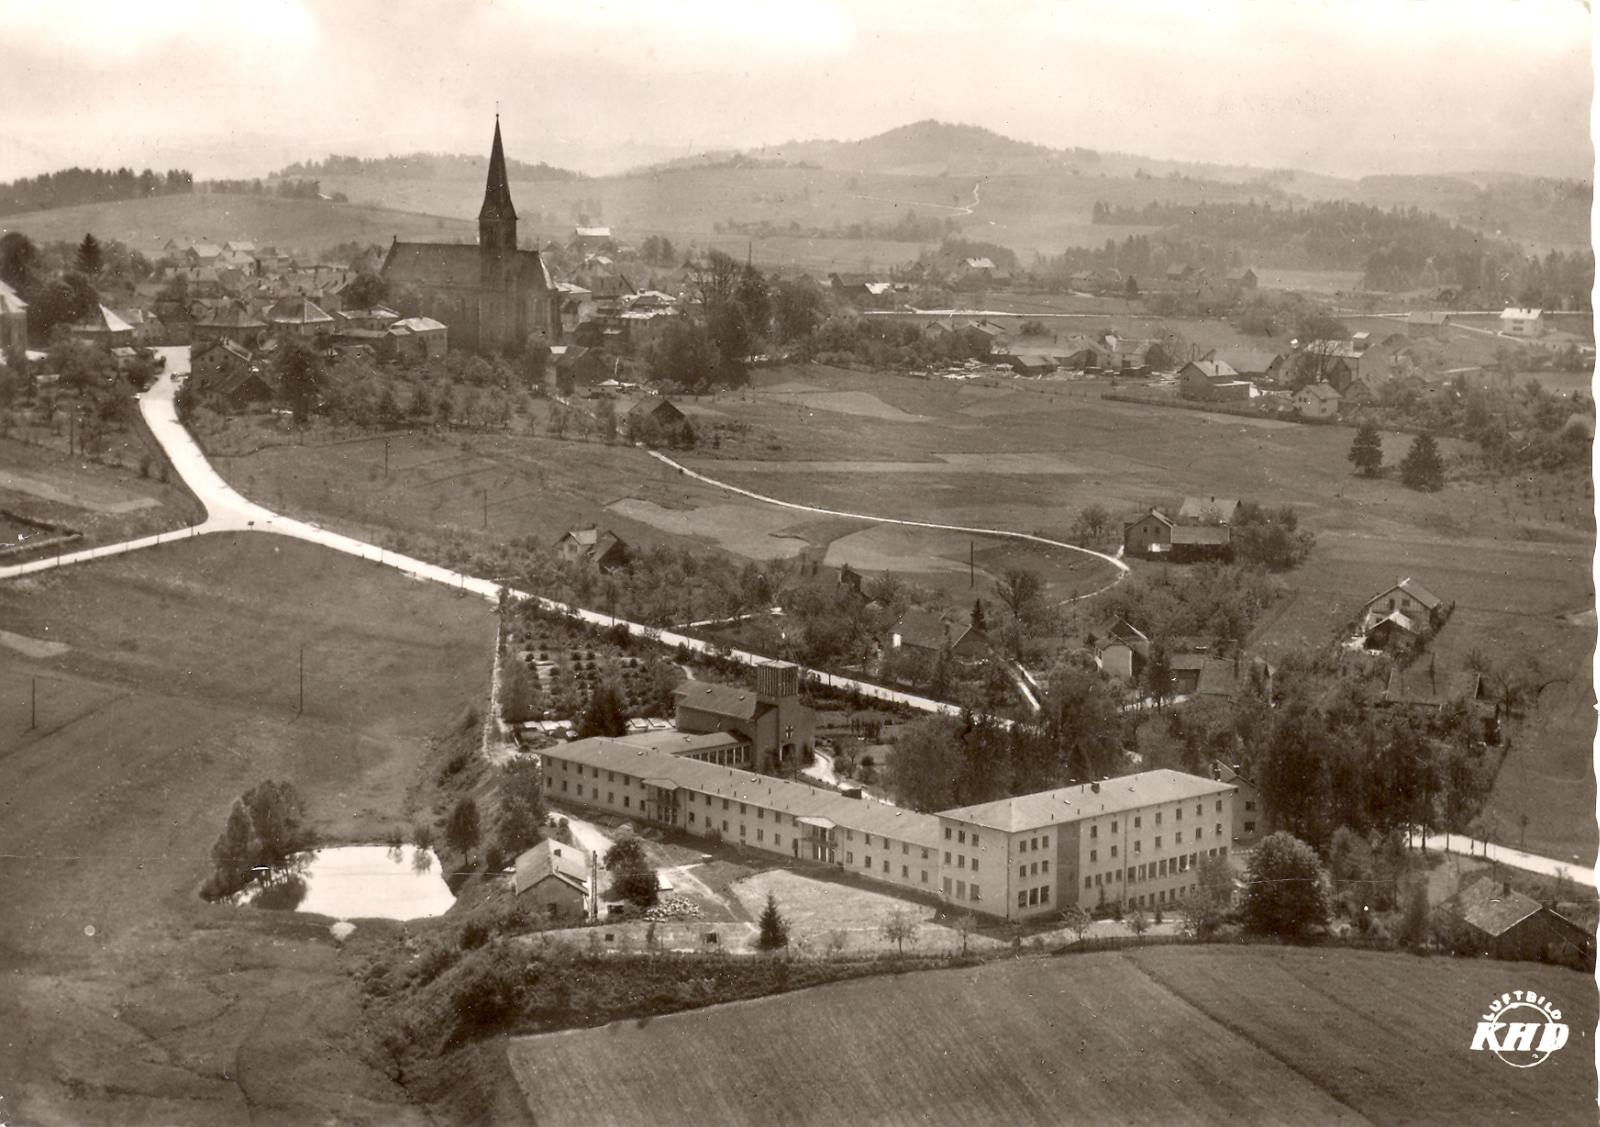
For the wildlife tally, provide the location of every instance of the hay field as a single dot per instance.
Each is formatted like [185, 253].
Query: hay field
[1157, 1036]
[125, 998]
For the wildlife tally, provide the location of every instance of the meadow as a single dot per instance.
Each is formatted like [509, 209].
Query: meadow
[1156, 1035]
[171, 687]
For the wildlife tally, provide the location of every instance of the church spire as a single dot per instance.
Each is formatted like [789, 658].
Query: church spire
[497, 191]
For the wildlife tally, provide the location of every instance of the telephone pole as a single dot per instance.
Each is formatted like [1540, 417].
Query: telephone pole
[972, 566]
[300, 711]
[33, 703]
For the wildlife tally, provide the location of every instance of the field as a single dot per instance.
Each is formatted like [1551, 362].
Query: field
[127, 999]
[293, 226]
[103, 504]
[1157, 1036]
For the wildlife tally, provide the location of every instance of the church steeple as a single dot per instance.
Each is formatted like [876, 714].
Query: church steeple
[497, 219]
[497, 192]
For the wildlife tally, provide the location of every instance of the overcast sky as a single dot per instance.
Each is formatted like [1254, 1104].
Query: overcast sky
[1345, 86]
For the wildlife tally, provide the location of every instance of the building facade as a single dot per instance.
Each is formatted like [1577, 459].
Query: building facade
[493, 297]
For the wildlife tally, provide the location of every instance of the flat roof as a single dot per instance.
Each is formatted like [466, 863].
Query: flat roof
[1068, 804]
[799, 800]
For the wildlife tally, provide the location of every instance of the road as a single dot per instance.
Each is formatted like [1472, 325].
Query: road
[228, 511]
[1516, 858]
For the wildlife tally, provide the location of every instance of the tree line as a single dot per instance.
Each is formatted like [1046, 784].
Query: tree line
[72, 186]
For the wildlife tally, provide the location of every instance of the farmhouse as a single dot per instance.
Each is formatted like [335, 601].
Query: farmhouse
[492, 296]
[1519, 322]
[233, 321]
[924, 632]
[1243, 278]
[778, 728]
[1317, 401]
[1137, 840]
[1123, 651]
[104, 328]
[1249, 363]
[1423, 688]
[298, 316]
[601, 548]
[656, 411]
[1426, 324]
[1492, 919]
[1148, 534]
[555, 879]
[1205, 676]
[1209, 379]
[1208, 510]
[1411, 599]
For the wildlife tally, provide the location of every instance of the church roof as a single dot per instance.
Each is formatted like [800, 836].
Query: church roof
[497, 191]
[454, 264]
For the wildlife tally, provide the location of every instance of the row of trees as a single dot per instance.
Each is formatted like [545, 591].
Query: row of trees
[1422, 468]
[265, 831]
[72, 186]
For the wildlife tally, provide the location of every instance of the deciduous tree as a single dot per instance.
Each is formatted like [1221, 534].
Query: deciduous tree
[1285, 895]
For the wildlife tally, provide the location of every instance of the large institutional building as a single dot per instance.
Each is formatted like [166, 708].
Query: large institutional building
[493, 297]
[1137, 839]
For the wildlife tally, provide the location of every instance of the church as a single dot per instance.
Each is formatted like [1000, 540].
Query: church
[493, 297]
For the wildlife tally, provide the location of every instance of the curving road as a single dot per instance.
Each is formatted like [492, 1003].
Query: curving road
[1002, 533]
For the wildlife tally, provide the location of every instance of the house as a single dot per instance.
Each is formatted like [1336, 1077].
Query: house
[428, 338]
[201, 254]
[1317, 401]
[1209, 510]
[1421, 687]
[1519, 322]
[104, 328]
[1123, 651]
[1148, 534]
[1032, 365]
[771, 719]
[556, 880]
[655, 412]
[592, 240]
[924, 632]
[1243, 278]
[1248, 363]
[1248, 821]
[1181, 272]
[232, 321]
[298, 316]
[1426, 324]
[13, 322]
[1489, 918]
[576, 366]
[1201, 675]
[1334, 362]
[1194, 542]
[1211, 380]
[602, 548]
[1409, 598]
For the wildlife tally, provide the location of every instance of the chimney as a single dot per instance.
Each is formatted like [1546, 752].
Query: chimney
[1095, 787]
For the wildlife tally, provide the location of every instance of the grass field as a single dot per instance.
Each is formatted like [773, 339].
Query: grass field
[1158, 1036]
[293, 226]
[104, 504]
[125, 998]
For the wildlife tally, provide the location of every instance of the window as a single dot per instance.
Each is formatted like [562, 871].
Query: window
[867, 862]
[610, 778]
[961, 890]
[1094, 855]
[1022, 871]
[1219, 806]
[1113, 825]
[924, 854]
[1033, 870]
[1218, 831]
[1087, 882]
[1161, 869]
[724, 803]
[761, 813]
[1022, 899]
[741, 829]
[1137, 821]
[1113, 851]
[760, 833]
[741, 808]
[1177, 838]
[975, 895]
[1097, 880]
[946, 856]
[1178, 814]
[974, 845]
[1046, 840]
[924, 876]
[1044, 866]
[611, 797]
[627, 803]
[947, 833]
[947, 886]
[777, 839]
[1158, 817]
[1033, 897]
[961, 860]
[563, 786]
[868, 838]
[849, 858]
[1249, 827]
[1198, 810]
[1138, 847]
[905, 872]
[1094, 831]
[1249, 806]
[961, 837]
[1044, 894]
[849, 835]
[974, 864]
[724, 825]
[691, 817]
[905, 849]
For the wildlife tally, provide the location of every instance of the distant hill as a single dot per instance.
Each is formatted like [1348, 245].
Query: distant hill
[292, 225]
[421, 166]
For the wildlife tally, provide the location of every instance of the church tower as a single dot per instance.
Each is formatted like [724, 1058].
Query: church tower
[497, 222]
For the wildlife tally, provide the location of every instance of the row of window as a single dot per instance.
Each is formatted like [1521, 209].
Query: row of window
[961, 836]
[1153, 870]
[1028, 898]
[1177, 839]
[961, 860]
[1037, 868]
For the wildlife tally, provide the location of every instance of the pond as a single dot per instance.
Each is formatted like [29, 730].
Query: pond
[359, 882]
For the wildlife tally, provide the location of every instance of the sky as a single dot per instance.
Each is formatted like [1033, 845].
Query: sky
[1349, 87]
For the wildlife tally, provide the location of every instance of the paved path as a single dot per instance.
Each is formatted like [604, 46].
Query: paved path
[1002, 533]
[1464, 846]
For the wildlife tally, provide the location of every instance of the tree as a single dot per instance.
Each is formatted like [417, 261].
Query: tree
[965, 924]
[603, 716]
[1138, 922]
[277, 818]
[927, 765]
[1077, 920]
[300, 373]
[1093, 524]
[1205, 907]
[233, 856]
[626, 853]
[978, 622]
[366, 291]
[89, 258]
[522, 810]
[1414, 921]
[632, 878]
[900, 928]
[1366, 452]
[1158, 674]
[1285, 895]
[519, 696]
[1423, 467]
[462, 828]
[774, 931]
[1019, 589]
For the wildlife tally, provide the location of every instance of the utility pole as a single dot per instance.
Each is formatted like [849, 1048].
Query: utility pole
[485, 509]
[972, 566]
[301, 710]
[386, 457]
[33, 703]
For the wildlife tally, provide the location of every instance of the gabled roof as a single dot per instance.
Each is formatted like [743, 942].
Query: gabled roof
[1517, 313]
[10, 302]
[978, 264]
[102, 320]
[453, 264]
[1318, 391]
[922, 628]
[1201, 535]
[731, 701]
[551, 859]
[1421, 317]
[420, 325]
[1215, 510]
[1156, 513]
[1213, 369]
[1071, 803]
[298, 310]
[1247, 361]
[232, 316]
[1491, 907]
[1416, 590]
